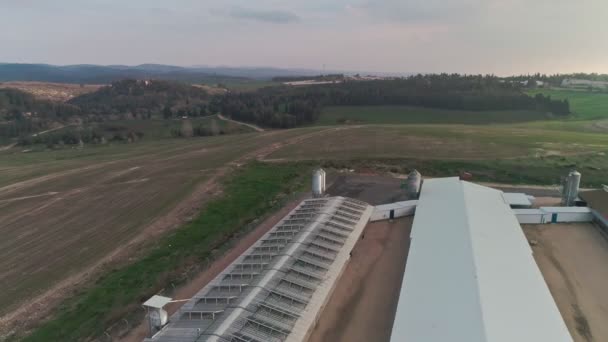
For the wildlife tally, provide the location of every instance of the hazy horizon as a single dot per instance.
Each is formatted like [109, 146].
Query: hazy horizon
[387, 36]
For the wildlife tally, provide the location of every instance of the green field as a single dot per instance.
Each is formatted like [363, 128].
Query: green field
[585, 105]
[420, 115]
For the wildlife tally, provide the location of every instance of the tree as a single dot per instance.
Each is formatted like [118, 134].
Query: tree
[186, 129]
[214, 128]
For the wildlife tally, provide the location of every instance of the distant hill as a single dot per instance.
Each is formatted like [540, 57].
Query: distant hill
[99, 74]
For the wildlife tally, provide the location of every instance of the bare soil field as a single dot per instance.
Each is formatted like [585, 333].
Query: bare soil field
[59, 92]
[573, 259]
[60, 228]
[363, 305]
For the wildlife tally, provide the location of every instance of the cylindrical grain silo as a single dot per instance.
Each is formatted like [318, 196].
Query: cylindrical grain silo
[414, 181]
[572, 185]
[317, 183]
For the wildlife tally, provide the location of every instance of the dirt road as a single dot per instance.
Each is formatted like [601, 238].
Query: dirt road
[573, 259]
[254, 127]
[363, 305]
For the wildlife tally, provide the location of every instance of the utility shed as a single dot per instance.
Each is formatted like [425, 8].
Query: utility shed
[568, 214]
[470, 275]
[517, 200]
[393, 210]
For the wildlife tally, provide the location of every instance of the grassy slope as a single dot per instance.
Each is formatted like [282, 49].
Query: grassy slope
[511, 154]
[420, 115]
[248, 194]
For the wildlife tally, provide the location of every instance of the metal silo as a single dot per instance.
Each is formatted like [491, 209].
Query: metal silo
[323, 174]
[571, 186]
[413, 184]
[317, 183]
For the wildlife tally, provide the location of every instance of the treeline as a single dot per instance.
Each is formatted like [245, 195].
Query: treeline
[23, 114]
[292, 106]
[143, 99]
[71, 136]
[277, 107]
[328, 77]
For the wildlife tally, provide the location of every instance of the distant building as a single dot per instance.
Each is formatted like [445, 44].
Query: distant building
[578, 83]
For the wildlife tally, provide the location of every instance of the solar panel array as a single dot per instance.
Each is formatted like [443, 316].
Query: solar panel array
[266, 294]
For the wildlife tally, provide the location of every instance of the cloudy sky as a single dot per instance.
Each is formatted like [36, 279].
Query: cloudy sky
[472, 36]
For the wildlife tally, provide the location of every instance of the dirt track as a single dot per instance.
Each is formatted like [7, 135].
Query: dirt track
[363, 305]
[254, 127]
[573, 259]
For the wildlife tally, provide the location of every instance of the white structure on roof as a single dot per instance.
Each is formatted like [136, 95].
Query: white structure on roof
[470, 275]
[517, 200]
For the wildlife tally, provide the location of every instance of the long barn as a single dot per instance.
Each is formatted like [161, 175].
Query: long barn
[276, 290]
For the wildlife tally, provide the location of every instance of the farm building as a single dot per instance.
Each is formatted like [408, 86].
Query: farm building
[393, 210]
[568, 214]
[517, 200]
[470, 274]
[277, 288]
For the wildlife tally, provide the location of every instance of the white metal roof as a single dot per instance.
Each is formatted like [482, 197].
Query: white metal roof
[157, 302]
[516, 198]
[470, 275]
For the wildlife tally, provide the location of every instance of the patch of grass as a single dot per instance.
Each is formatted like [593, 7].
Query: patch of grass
[248, 194]
[420, 115]
[585, 105]
[248, 85]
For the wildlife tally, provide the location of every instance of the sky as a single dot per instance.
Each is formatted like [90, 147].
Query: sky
[466, 36]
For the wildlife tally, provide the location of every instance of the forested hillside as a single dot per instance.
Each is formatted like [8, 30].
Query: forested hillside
[293, 106]
[278, 106]
[145, 99]
[21, 113]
